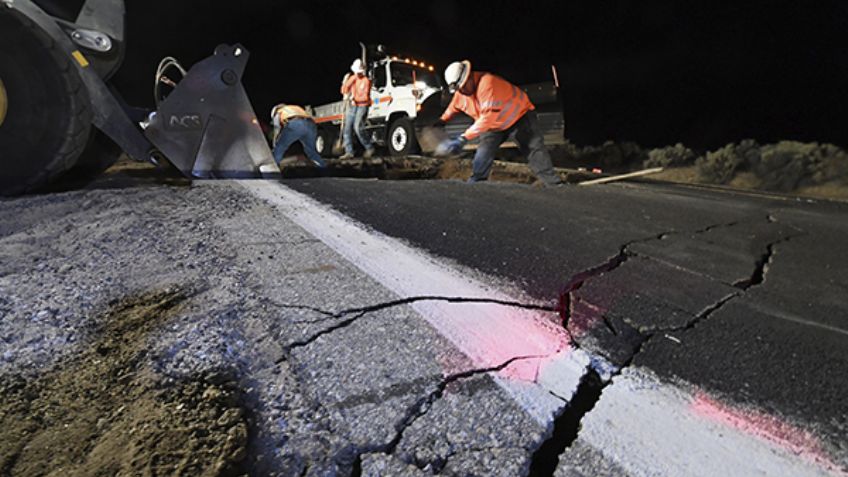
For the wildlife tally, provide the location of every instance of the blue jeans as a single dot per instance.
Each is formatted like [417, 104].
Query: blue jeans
[355, 121]
[531, 143]
[303, 130]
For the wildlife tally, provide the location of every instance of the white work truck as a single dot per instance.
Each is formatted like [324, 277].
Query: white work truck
[403, 90]
[408, 95]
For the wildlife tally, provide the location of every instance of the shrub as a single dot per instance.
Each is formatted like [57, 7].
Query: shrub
[787, 165]
[670, 156]
[719, 167]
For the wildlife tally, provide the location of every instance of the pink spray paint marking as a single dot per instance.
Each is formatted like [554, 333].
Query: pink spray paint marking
[769, 428]
[491, 335]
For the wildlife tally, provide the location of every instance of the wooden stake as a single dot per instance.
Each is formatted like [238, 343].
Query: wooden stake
[604, 180]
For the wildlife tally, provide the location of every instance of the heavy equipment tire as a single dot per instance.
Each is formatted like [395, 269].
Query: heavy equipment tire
[100, 153]
[400, 137]
[324, 142]
[48, 121]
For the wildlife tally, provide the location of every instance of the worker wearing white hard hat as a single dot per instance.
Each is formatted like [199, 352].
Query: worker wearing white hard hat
[456, 74]
[500, 110]
[356, 89]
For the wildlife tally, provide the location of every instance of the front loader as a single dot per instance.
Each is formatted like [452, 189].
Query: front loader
[58, 111]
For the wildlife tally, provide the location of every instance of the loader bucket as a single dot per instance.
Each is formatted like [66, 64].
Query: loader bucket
[207, 127]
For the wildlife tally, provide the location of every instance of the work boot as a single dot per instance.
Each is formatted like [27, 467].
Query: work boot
[541, 184]
[346, 155]
[368, 153]
[549, 178]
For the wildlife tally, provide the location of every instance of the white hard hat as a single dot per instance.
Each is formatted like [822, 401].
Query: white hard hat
[456, 74]
[357, 67]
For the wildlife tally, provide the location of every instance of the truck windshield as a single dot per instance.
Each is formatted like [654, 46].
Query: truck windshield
[402, 74]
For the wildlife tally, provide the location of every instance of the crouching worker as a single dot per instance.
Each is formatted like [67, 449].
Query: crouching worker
[292, 123]
[500, 110]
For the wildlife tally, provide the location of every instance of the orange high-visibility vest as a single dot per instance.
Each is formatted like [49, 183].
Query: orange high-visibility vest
[495, 105]
[290, 111]
[360, 88]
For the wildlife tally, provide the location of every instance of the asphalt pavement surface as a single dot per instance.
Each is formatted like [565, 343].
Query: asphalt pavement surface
[740, 297]
[358, 327]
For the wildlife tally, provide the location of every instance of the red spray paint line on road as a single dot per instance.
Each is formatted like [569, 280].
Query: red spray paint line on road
[798, 441]
[492, 334]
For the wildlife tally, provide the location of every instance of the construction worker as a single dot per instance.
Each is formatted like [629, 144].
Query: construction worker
[356, 88]
[292, 123]
[500, 110]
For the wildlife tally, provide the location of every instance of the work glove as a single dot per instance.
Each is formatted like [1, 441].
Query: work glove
[451, 147]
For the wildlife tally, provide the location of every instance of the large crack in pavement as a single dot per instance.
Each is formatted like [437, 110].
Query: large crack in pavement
[360, 312]
[757, 278]
[567, 424]
[762, 265]
[421, 407]
[565, 302]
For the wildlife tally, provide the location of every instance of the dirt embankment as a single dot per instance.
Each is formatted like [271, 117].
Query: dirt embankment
[104, 411]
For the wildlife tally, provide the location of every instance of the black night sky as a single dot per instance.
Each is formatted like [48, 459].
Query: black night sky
[647, 71]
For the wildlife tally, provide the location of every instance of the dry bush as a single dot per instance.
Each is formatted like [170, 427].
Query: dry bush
[670, 156]
[787, 165]
[612, 155]
[719, 167]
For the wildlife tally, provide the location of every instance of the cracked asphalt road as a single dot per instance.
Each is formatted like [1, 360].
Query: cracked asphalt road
[735, 297]
[704, 325]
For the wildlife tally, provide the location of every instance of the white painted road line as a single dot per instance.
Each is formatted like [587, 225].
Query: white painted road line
[489, 334]
[649, 428]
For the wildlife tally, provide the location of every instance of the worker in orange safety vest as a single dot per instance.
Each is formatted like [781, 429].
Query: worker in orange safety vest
[500, 110]
[356, 88]
[292, 123]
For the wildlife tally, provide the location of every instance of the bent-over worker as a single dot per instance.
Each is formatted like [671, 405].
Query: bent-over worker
[292, 123]
[500, 110]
